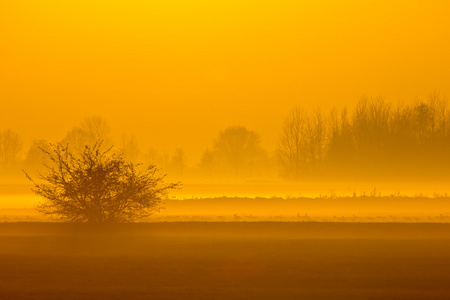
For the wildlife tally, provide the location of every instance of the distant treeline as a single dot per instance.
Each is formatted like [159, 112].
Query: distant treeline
[373, 140]
[377, 140]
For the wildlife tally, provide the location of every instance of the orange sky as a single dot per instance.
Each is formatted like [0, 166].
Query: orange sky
[176, 72]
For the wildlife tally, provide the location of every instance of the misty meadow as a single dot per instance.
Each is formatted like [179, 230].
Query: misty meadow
[224, 149]
[375, 140]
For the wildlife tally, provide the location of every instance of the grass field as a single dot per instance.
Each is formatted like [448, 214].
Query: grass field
[402, 209]
[225, 261]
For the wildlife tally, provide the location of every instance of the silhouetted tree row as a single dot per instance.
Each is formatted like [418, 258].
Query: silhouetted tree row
[377, 140]
[87, 133]
[373, 140]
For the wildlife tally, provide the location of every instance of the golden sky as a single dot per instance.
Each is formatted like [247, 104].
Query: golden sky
[176, 72]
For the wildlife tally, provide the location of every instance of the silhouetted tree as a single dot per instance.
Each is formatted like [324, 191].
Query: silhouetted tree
[303, 142]
[130, 148]
[207, 162]
[91, 130]
[35, 156]
[371, 129]
[98, 187]
[317, 140]
[179, 161]
[153, 157]
[291, 149]
[237, 149]
[10, 147]
[97, 130]
[340, 154]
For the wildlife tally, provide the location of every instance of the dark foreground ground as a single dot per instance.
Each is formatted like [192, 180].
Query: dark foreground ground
[225, 261]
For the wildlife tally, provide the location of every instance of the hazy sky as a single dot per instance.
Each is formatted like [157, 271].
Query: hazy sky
[176, 72]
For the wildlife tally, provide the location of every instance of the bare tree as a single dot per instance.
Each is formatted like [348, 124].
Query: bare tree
[35, 156]
[10, 147]
[236, 149]
[377, 139]
[303, 144]
[152, 156]
[91, 130]
[77, 139]
[371, 121]
[291, 148]
[207, 162]
[97, 129]
[98, 187]
[317, 140]
[130, 148]
[340, 151]
[179, 161]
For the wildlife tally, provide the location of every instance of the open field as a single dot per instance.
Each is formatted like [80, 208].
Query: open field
[283, 202]
[230, 209]
[225, 261]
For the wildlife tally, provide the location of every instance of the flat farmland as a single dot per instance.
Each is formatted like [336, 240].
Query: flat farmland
[195, 260]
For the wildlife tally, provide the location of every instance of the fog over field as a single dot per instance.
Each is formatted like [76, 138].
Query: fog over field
[225, 149]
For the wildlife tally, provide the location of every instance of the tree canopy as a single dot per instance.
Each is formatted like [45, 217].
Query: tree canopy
[236, 151]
